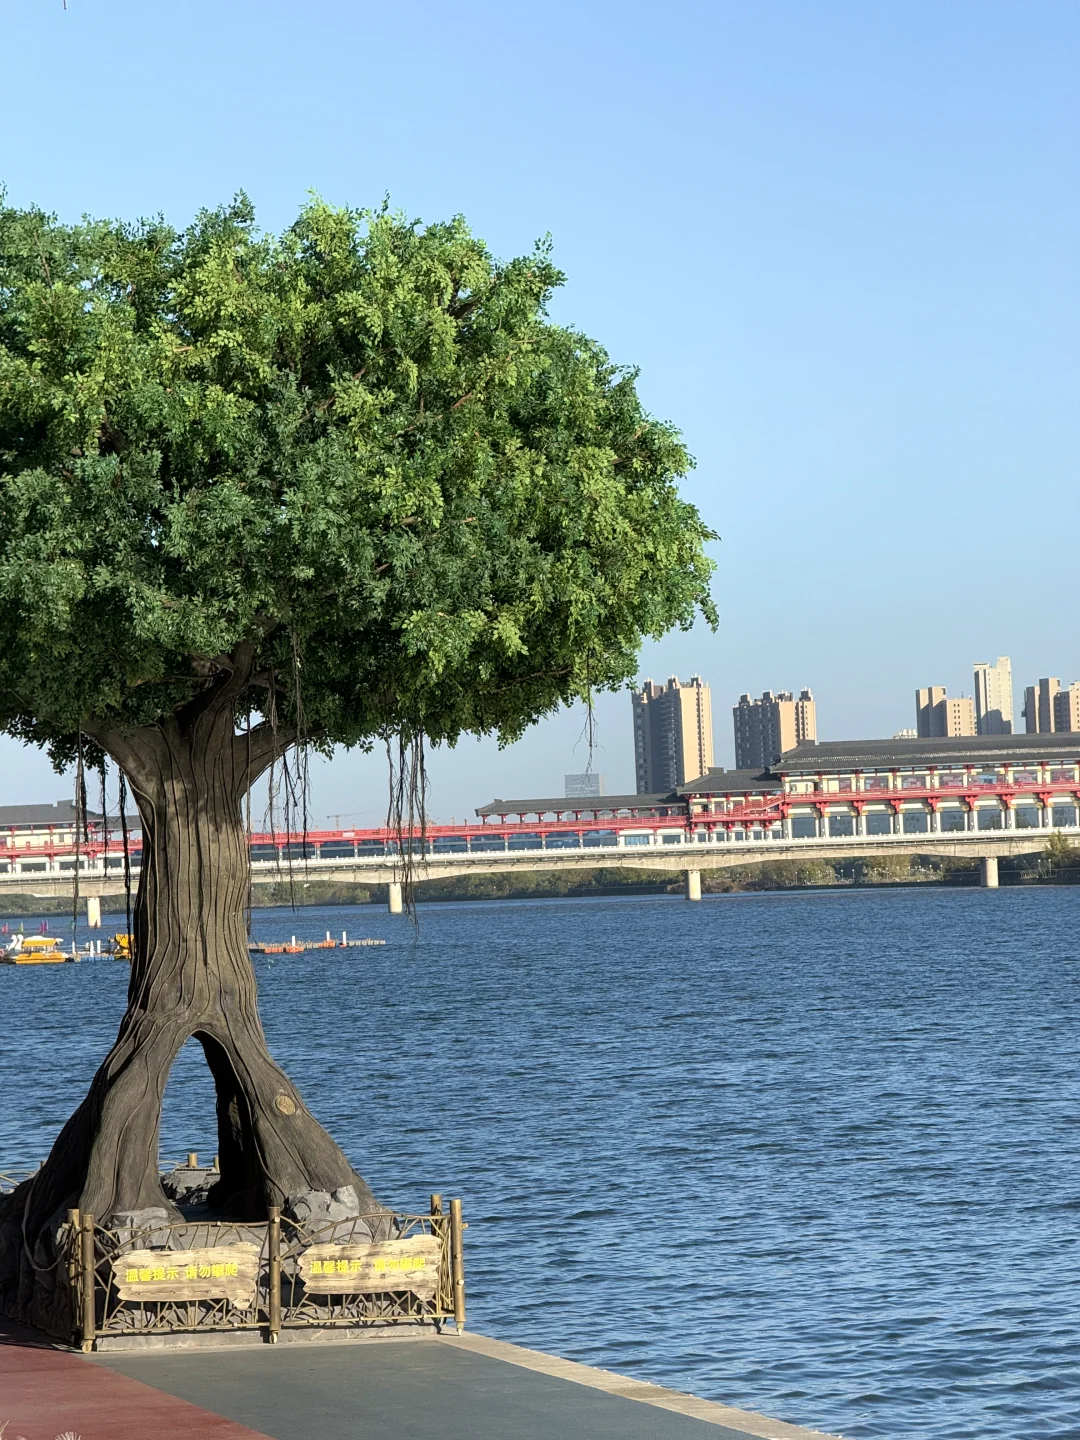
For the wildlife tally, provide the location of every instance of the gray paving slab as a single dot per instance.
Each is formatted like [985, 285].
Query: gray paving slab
[407, 1391]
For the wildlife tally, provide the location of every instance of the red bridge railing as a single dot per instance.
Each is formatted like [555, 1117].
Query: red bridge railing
[749, 813]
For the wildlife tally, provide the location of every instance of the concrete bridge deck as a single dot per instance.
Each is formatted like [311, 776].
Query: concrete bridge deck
[686, 856]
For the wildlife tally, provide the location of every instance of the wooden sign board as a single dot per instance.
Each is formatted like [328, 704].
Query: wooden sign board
[411, 1264]
[217, 1272]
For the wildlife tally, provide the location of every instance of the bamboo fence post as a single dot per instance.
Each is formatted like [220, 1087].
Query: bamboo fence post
[273, 1246]
[457, 1264]
[438, 1227]
[74, 1266]
[88, 1280]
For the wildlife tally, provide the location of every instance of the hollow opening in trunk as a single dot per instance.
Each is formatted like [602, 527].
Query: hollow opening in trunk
[209, 1155]
[189, 1109]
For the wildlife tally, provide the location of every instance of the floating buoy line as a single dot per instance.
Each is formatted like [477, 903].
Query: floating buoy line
[48, 950]
[297, 947]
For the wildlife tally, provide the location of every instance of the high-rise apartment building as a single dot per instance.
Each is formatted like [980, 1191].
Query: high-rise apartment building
[937, 715]
[1049, 708]
[994, 697]
[805, 717]
[1039, 706]
[673, 734]
[1030, 712]
[928, 715]
[765, 728]
[959, 715]
[1067, 708]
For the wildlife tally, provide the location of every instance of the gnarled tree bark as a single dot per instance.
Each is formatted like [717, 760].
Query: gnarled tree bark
[191, 975]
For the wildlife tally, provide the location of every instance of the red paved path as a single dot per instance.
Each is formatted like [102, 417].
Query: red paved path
[46, 1393]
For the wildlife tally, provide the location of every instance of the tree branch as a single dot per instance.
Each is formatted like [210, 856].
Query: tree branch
[134, 758]
[231, 677]
[533, 675]
[256, 750]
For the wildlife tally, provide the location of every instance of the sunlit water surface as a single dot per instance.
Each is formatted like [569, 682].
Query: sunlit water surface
[809, 1154]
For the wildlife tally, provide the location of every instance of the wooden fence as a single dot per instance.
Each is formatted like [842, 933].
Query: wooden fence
[199, 1276]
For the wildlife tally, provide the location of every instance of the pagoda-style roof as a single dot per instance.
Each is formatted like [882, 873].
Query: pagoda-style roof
[830, 756]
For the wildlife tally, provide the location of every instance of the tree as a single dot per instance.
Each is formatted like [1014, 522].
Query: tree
[346, 483]
[1059, 853]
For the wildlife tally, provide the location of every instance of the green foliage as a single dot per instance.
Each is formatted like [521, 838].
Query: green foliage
[545, 884]
[784, 874]
[361, 446]
[1060, 853]
[279, 894]
[884, 869]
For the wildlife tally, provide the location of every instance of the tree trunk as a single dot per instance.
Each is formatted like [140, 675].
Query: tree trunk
[191, 975]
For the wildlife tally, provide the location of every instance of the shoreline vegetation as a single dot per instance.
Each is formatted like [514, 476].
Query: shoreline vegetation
[1058, 863]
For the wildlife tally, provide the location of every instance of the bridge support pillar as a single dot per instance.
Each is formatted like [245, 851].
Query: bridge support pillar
[693, 884]
[393, 897]
[988, 872]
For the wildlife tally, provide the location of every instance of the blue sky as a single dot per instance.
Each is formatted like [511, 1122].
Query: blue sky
[839, 238]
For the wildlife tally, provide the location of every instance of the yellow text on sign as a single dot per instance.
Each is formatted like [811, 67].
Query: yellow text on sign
[217, 1272]
[405, 1265]
[155, 1274]
[411, 1264]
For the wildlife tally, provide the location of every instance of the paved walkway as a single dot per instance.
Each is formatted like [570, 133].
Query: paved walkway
[460, 1388]
[47, 1393]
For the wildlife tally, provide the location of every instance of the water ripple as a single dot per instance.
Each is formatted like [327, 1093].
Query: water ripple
[813, 1155]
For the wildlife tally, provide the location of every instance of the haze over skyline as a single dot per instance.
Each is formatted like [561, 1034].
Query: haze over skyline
[839, 240]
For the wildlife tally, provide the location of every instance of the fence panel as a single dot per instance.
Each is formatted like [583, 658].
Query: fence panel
[370, 1268]
[206, 1276]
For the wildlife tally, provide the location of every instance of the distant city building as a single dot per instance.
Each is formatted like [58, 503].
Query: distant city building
[938, 717]
[1039, 706]
[765, 728]
[840, 788]
[673, 734]
[583, 787]
[994, 697]
[906, 735]
[31, 826]
[927, 715]
[1067, 708]
[1030, 712]
[1049, 708]
[882, 787]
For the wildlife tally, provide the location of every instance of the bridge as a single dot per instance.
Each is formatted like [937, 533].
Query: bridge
[374, 857]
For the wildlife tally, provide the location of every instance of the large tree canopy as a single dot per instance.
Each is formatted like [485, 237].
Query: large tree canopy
[361, 448]
[351, 481]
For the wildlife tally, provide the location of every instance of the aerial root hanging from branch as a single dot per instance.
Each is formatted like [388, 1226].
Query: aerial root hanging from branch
[293, 792]
[407, 811]
[125, 841]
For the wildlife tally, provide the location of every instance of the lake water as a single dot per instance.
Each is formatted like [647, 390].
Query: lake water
[810, 1154]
